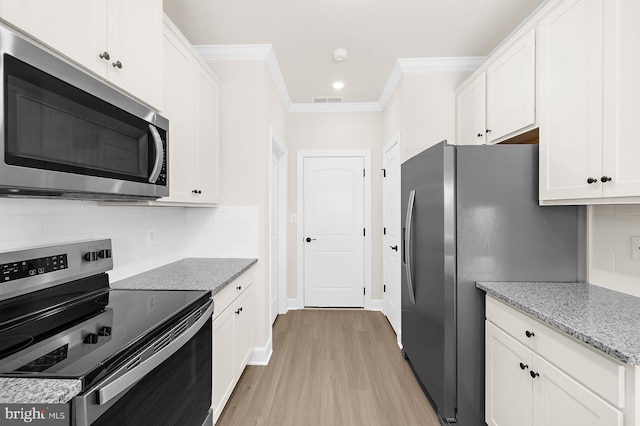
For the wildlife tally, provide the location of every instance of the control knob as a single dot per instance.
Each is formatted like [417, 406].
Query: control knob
[104, 331]
[90, 256]
[91, 338]
[104, 254]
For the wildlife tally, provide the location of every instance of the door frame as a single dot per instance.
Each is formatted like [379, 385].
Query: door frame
[393, 143]
[365, 154]
[279, 150]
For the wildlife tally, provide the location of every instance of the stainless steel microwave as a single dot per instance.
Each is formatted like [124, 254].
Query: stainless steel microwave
[67, 134]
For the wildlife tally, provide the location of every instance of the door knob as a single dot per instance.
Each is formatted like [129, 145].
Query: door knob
[308, 239]
[394, 248]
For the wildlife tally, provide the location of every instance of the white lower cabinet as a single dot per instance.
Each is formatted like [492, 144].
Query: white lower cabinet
[232, 338]
[536, 376]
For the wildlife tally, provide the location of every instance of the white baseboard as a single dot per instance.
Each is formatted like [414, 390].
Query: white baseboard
[375, 305]
[261, 355]
[292, 305]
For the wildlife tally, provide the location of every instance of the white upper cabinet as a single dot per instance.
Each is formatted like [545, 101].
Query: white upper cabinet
[499, 101]
[192, 98]
[589, 91]
[118, 40]
[511, 90]
[471, 112]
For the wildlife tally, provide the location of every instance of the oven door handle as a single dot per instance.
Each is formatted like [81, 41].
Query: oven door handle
[107, 392]
[157, 166]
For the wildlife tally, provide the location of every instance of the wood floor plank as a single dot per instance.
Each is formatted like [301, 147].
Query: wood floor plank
[330, 367]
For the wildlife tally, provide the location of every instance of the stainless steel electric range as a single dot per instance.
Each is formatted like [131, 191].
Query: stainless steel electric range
[142, 356]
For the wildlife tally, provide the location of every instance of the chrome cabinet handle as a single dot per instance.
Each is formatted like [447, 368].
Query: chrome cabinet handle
[407, 246]
[157, 166]
[117, 64]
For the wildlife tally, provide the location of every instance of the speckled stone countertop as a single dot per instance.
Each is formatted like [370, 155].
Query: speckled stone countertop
[605, 319]
[189, 274]
[38, 391]
[186, 274]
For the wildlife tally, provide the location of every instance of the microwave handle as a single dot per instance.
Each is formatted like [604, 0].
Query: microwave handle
[153, 177]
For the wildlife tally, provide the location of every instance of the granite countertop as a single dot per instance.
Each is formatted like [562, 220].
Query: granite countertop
[38, 391]
[604, 319]
[189, 274]
[186, 274]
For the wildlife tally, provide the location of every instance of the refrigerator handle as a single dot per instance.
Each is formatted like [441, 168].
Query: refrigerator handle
[407, 245]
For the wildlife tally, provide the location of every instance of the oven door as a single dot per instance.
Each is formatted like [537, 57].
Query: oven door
[173, 386]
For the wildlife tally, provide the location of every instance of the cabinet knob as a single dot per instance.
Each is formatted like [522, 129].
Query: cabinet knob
[488, 131]
[523, 366]
[480, 135]
[605, 179]
[117, 64]
[591, 180]
[105, 55]
[529, 334]
[533, 374]
[197, 191]
[238, 311]
[239, 288]
[394, 248]
[309, 239]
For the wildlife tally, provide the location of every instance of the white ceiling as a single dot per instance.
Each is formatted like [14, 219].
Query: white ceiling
[376, 33]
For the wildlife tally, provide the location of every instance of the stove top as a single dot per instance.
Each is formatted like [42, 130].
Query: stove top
[83, 329]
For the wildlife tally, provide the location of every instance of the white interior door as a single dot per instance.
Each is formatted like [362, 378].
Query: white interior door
[275, 234]
[392, 240]
[333, 232]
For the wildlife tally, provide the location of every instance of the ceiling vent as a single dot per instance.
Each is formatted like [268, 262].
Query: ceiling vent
[327, 100]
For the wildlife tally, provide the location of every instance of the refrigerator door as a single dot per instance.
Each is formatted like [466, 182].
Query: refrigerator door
[428, 326]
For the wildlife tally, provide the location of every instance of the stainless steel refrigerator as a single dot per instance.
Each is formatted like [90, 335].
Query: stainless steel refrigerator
[471, 214]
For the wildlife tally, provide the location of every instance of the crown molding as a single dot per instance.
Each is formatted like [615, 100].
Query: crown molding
[249, 52]
[236, 52]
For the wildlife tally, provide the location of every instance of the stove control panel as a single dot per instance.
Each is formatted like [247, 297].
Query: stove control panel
[30, 267]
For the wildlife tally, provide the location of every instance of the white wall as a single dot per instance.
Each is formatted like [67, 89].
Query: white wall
[32, 223]
[610, 262]
[250, 108]
[336, 131]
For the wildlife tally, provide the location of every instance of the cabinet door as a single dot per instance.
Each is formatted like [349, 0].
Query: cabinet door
[511, 89]
[508, 383]
[570, 56]
[621, 98]
[135, 41]
[207, 137]
[179, 110]
[75, 28]
[558, 400]
[471, 112]
[224, 373]
[243, 312]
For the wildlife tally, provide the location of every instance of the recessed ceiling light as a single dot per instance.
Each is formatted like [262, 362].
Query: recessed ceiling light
[338, 85]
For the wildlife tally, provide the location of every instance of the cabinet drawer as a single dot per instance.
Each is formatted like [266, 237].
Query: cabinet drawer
[598, 372]
[226, 296]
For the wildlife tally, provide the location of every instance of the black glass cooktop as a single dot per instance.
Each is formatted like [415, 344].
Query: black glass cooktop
[84, 329]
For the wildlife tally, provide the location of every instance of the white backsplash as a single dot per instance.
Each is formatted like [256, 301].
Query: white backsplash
[610, 262]
[178, 232]
[222, 232]
[31, 223]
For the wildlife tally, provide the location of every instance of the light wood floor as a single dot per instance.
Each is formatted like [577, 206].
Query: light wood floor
[330, 367]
